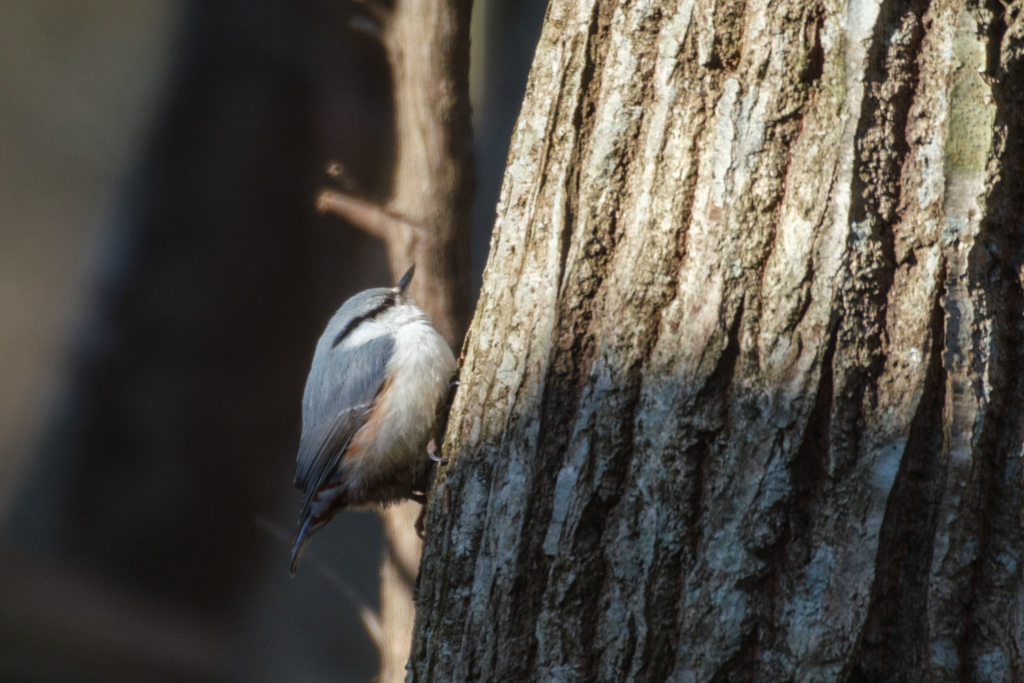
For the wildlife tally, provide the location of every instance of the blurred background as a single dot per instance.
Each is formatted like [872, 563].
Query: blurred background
[163, 280]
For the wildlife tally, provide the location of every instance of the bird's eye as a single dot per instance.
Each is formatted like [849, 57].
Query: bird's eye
[352, 324]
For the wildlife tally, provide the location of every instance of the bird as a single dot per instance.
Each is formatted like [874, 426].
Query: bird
[379, 378]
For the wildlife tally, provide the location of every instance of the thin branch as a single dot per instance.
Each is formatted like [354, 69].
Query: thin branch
[311, 559]
[367, 216]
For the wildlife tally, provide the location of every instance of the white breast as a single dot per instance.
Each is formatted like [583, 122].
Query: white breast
[420, 369]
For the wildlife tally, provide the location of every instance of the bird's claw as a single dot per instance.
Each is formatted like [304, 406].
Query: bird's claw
[432, 453]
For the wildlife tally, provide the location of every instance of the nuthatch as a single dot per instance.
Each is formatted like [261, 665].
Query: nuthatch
[380, 374]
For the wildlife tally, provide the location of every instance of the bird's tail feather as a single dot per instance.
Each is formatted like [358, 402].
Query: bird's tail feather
[301, 541]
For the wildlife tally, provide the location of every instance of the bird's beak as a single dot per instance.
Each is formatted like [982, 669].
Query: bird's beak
[403, 284]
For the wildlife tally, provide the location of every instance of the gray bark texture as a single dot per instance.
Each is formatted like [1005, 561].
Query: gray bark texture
[744, 394]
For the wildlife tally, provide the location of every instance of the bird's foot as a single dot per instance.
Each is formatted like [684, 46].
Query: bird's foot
[432, 453]
[453, 387]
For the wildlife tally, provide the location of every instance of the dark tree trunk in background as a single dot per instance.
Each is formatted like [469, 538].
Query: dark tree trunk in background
[216, 277]
[213, 286]
[742, 397]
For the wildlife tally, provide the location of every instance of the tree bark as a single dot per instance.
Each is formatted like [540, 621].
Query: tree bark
[741, 400]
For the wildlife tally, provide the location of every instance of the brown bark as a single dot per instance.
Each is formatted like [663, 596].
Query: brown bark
[741, 400]
[426, 222]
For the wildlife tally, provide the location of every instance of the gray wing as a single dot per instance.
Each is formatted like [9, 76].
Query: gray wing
[339, 392]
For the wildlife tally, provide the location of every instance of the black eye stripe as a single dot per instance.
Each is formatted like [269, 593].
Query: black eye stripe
[355, 322]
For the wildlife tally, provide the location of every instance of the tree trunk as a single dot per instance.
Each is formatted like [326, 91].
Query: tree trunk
[742, 398]
[426, 223]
